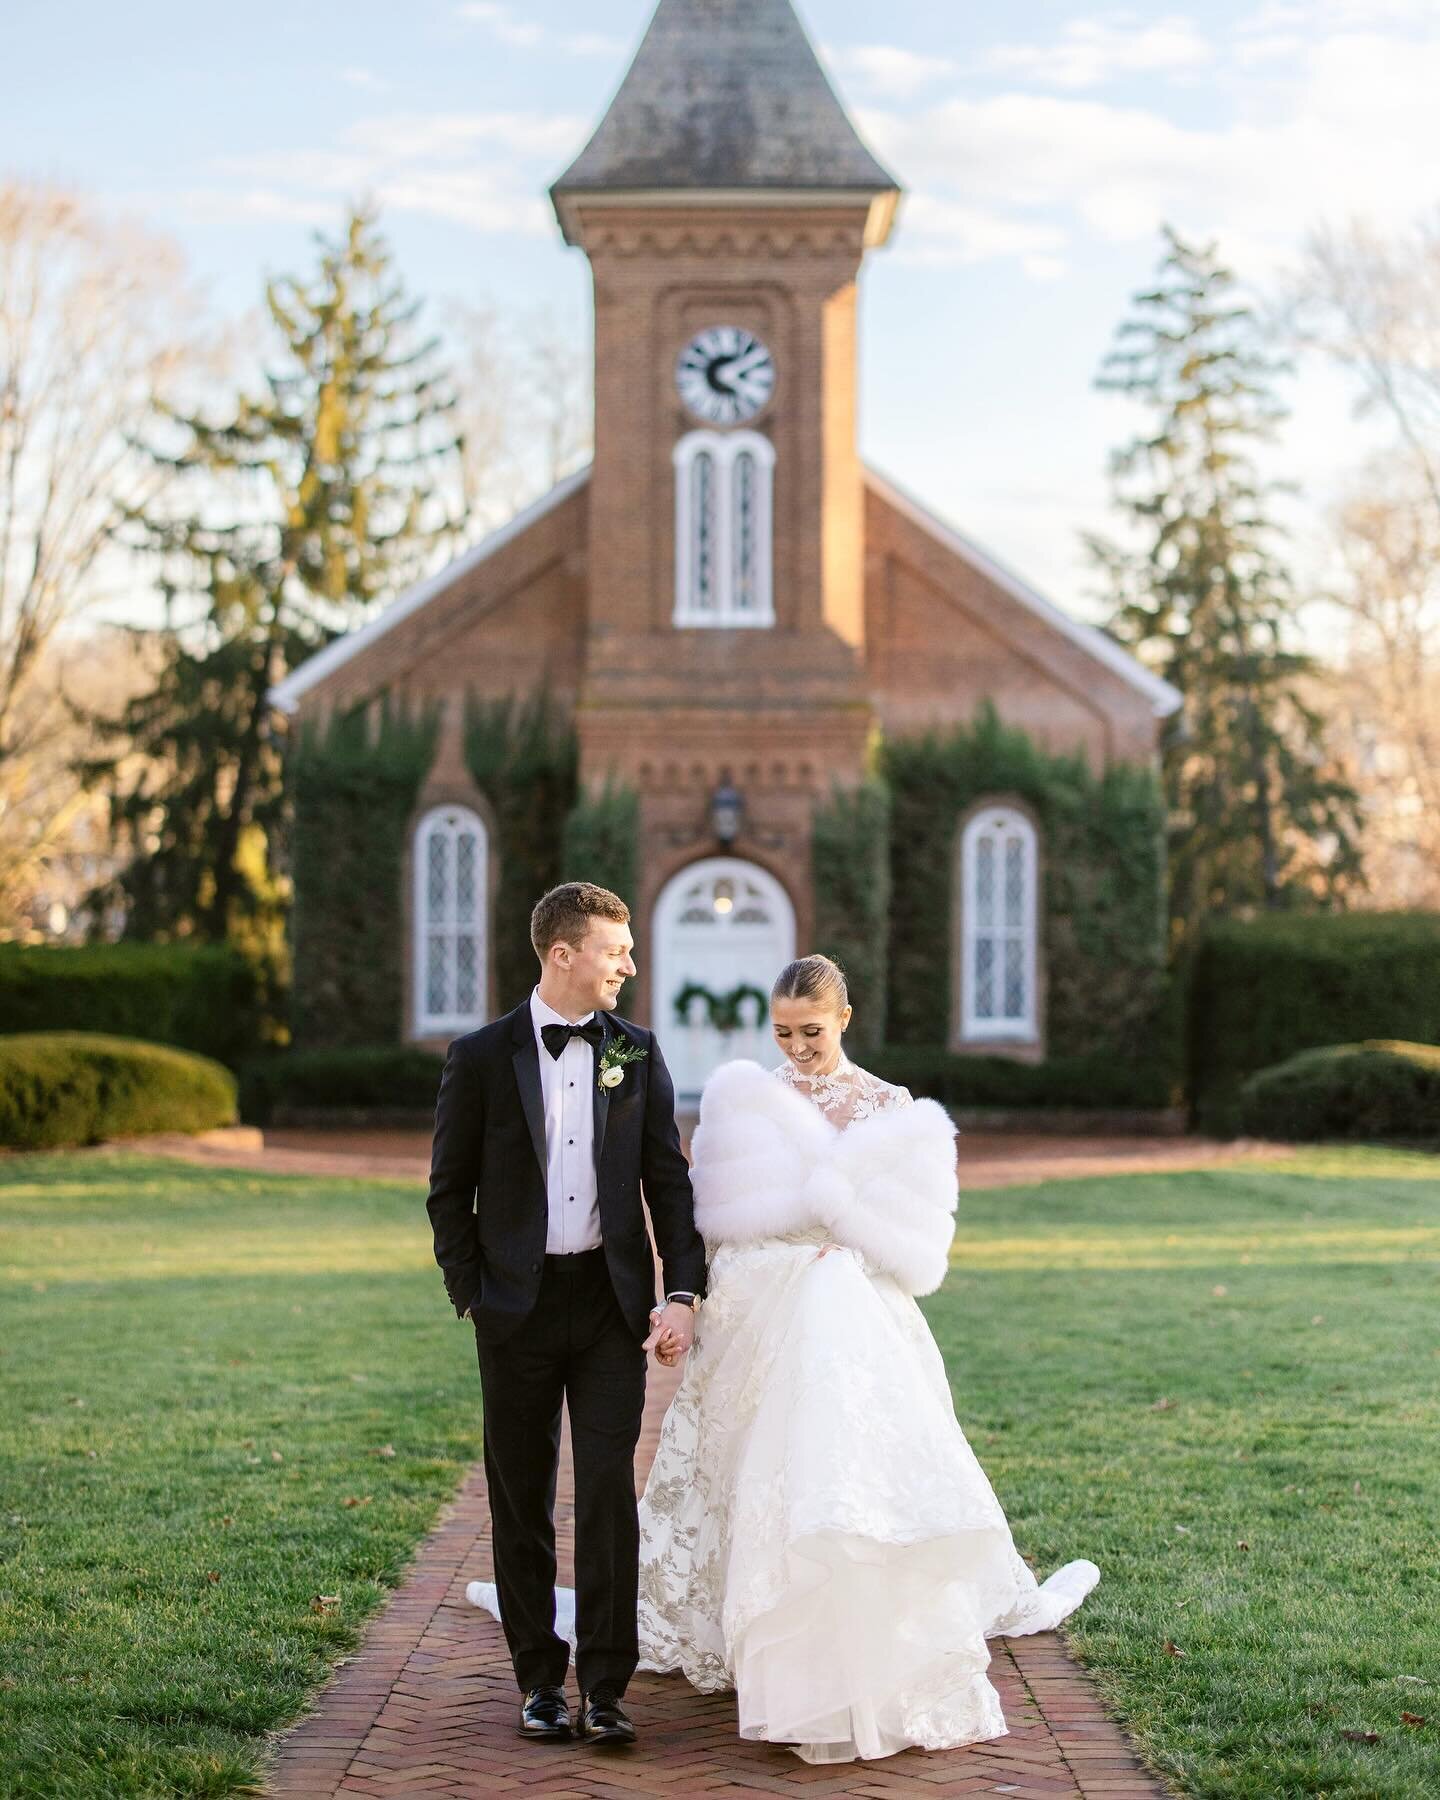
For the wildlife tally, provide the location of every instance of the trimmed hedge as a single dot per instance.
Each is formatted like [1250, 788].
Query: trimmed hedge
[1097, 1082]
[1262, 989]
[196, 997]
[1368, 1091]
[60, 1088]
[381, 1075]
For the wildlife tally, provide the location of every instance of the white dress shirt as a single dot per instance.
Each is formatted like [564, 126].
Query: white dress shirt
[568, 1085]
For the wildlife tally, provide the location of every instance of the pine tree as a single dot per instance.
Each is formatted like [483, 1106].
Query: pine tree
[1260, 815]
[302, 508]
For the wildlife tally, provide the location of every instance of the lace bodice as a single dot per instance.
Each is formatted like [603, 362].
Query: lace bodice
[847, 1094]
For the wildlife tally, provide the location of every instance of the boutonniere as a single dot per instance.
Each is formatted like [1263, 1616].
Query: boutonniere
[615, 1058]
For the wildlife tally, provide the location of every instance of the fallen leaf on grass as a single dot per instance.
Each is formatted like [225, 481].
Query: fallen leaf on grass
[275, 1456]
[325, 1603]
[1240, 1544]
[357, 1499]
[1220, 1290]
[1171, 1648]
[384, 1450]
[1411, 1719]
[1361, 1737]
[213, 1577]
[1163, 1404]
[1184, 1530]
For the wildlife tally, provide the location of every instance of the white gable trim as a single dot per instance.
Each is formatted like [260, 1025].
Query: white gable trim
[287, 694]
[1163, 698]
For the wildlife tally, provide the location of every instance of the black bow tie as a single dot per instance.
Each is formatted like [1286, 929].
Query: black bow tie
[556, 1037]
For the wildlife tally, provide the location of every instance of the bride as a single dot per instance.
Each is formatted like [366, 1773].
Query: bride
[816, 1532]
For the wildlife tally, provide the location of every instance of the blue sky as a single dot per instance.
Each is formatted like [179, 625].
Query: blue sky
[1041, 144]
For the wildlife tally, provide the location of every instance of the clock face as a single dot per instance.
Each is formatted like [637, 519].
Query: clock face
[725, 375]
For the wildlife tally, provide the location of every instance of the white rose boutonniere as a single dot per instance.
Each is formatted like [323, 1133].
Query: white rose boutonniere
[615, 1058]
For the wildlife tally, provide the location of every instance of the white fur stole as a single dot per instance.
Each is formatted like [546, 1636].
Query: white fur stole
[768, 1163]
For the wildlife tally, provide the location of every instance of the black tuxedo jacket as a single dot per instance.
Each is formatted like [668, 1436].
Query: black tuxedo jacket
[488, 1201]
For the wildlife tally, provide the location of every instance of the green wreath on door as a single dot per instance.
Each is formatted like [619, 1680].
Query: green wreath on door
[722, 1010]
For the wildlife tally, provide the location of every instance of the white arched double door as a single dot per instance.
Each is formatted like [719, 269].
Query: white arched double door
[723, 930]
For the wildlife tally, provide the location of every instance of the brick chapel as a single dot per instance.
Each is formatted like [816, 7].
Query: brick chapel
[729, 601]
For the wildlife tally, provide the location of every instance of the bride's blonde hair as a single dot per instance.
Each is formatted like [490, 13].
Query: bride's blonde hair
[817, 978]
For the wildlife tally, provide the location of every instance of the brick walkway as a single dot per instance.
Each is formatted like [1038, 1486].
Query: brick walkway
[428, 1708]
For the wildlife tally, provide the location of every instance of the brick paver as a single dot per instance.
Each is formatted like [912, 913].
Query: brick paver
[428, 1706]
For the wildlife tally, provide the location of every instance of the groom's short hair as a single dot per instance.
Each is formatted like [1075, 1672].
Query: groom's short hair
[563, 916]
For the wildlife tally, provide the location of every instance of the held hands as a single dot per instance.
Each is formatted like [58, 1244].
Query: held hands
[672, 1333]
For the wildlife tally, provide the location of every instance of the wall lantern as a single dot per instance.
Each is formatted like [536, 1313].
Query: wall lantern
[727, 812]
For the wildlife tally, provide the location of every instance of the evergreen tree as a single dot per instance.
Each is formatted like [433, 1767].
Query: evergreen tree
[1260, 815]
[300, 509]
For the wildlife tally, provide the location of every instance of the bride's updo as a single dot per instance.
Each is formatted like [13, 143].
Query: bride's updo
[817, 978]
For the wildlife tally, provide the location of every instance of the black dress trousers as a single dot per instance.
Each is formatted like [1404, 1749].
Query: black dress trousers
[574, 1349]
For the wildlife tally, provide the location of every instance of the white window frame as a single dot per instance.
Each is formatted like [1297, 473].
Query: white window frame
[1004, 824]
[725, 450]
[452, 821]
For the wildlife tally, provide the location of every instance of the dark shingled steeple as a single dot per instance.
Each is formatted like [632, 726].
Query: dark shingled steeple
[724, 95]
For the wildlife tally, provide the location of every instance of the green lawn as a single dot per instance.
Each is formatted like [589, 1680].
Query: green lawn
[198, 1369]
[1224, 1388]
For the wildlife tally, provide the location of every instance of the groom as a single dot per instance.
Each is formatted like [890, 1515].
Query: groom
[548, 1124]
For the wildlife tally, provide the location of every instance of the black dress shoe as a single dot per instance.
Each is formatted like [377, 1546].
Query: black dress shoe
[545, 1714]
[603, 1720]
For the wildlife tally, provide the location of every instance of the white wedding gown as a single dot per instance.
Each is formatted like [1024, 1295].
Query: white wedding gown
[816, 1532]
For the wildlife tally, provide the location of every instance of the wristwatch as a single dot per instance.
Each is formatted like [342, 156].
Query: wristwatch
[684, 1299]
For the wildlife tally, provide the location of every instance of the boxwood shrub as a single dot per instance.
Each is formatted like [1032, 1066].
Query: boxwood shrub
[374, 1076]
[59, 1088]
[1263, 989]
[1372, 1090]
[197, 997]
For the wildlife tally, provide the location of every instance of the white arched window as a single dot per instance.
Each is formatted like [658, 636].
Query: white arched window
[451, 852]
[999, 912]
[723, 511]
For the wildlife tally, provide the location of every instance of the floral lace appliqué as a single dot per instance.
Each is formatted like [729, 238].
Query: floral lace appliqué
[847, 1094]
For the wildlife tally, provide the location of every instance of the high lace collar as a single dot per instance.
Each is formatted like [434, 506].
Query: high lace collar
[845, 1094]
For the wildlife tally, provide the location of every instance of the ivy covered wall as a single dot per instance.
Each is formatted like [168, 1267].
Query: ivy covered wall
[850, 867]
[602, 842]
[353, 793]
[1102, 872]
[522, 755]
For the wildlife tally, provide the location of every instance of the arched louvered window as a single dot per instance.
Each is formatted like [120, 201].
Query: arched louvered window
[450, 975]
[999, 914]
[723, 512]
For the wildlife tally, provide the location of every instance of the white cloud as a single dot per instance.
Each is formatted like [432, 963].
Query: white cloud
[364, 78]
[481, 170]
[953, 231]
[889, 70]
[1351, 133]
[1091, 51]
[528, 34]
[413, 136]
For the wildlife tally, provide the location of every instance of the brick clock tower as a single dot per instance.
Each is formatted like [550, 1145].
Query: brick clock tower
[728, 604]
[725, 203]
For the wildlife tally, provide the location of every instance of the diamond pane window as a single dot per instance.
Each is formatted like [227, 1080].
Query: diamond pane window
[449, 978]
[723, 507]
[999, 927]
